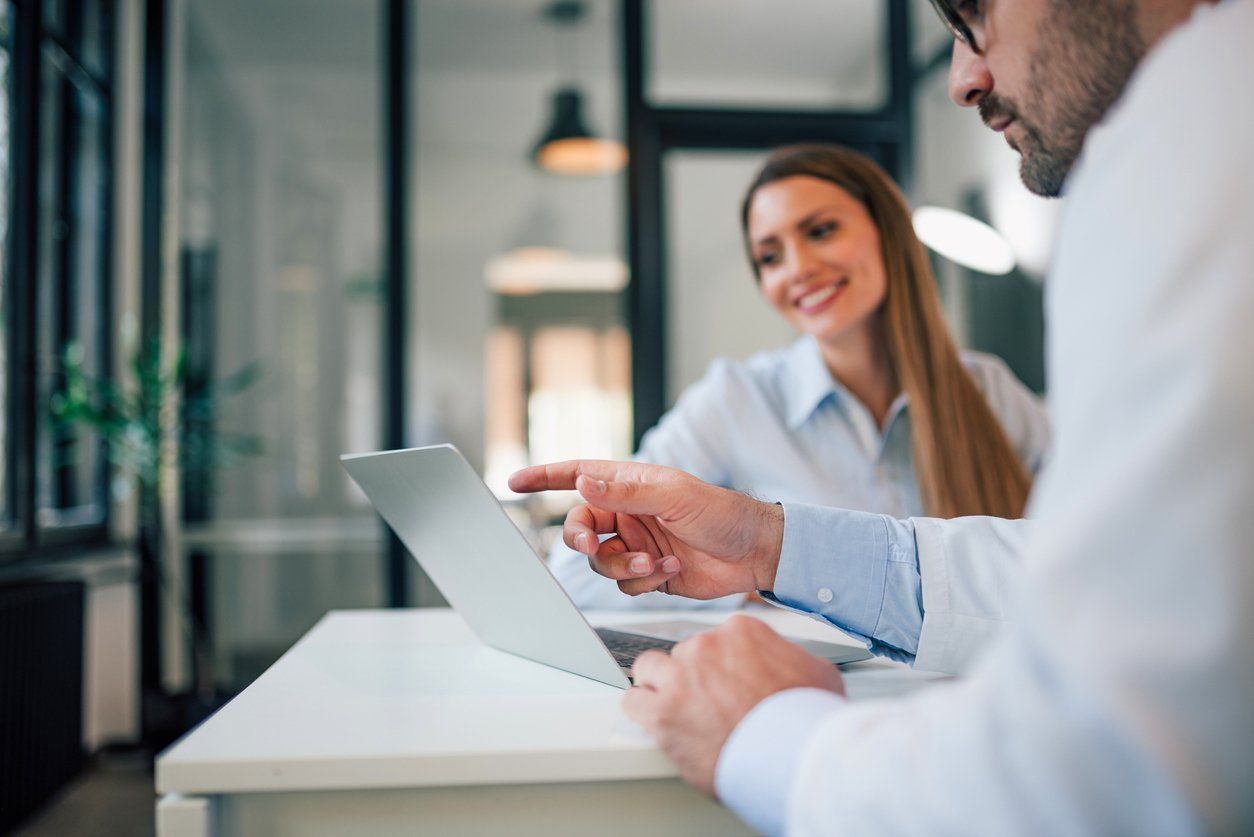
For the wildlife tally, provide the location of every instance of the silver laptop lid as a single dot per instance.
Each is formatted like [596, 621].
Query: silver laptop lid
[449, 520]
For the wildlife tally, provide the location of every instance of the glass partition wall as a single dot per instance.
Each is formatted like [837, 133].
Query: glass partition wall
[519, 344]
[787, 55]
[548, 315]
[713, 304]
[517, 339]
[279, 115]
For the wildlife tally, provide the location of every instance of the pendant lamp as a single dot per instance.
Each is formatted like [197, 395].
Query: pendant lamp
[964, 240]
[567, 146]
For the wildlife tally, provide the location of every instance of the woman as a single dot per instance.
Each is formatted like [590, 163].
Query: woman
[873, 408]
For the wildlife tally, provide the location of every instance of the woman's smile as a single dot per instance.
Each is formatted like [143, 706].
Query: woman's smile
[816, 300]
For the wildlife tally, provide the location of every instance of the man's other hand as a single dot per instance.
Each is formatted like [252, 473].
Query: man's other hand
[691, 699]
[671, 531]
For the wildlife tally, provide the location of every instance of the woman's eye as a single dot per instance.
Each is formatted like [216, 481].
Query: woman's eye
[765, 259]
[821, 231]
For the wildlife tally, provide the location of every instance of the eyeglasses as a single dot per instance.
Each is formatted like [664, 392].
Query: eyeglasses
[955, 23]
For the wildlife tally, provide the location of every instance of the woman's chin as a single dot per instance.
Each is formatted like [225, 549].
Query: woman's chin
[834, 328]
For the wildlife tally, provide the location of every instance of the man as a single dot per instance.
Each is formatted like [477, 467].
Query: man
[1119, 697]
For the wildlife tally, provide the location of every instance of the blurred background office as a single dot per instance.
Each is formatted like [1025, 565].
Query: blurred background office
[241, 237]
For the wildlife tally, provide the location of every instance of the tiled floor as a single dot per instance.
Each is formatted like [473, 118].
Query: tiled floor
[113, 798]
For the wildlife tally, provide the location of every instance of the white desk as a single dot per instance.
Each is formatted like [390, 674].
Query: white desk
[400, 722]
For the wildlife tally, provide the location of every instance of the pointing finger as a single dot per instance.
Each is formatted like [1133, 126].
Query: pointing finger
[660, 497]
[557, 476]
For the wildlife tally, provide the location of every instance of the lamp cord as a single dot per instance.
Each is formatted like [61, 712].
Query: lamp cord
[566, 50]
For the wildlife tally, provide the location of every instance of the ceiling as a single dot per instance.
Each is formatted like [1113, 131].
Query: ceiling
[314, 66]
[742, 37]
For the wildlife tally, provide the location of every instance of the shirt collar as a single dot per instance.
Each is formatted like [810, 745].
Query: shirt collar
[807, 382]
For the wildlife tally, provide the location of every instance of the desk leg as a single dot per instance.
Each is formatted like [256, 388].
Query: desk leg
[185, 816]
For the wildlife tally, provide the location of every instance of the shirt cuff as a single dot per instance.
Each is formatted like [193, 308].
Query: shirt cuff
[755, 770]
[857, 570]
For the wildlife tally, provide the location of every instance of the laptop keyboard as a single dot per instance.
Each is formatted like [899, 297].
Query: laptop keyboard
[626, 647]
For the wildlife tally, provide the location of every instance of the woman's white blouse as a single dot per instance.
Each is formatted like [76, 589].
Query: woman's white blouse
[780, 427]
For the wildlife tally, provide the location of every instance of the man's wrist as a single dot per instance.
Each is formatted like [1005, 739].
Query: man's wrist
[770, 543]
[757, 766]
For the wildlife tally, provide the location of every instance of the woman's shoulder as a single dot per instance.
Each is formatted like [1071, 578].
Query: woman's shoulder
[989, 371]
[755, 388]
[1001, 387]
[765, 372]
[718, 417]
[1020, 411]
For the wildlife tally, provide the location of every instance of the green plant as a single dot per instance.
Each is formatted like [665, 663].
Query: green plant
[158, 418]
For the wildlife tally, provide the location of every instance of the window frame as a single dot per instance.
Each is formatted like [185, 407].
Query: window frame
[653, 130]
[32, 42]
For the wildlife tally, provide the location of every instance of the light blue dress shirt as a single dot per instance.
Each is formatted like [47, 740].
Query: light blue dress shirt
[780, 427]
[865, 579]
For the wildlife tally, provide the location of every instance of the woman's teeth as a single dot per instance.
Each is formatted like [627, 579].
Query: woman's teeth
[820, 296]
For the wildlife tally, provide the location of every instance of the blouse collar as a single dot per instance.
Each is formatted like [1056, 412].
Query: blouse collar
[808, 383]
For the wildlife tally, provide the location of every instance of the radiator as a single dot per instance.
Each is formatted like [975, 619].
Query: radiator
[41, 694]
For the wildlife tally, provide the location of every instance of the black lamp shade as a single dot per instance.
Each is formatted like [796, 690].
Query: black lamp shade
[567, 121]
[568, 147]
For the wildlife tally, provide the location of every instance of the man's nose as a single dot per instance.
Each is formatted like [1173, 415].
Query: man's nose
[969, 78]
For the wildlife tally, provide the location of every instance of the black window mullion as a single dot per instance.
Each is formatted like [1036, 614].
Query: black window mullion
[104, 297]
[64, 283]
[396, 185]
[71, 64]
[715, 128]
[646, 253]
[10, 524]
[900, 108]
[26, 73]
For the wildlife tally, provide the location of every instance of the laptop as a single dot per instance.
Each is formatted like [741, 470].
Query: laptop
[461, 536]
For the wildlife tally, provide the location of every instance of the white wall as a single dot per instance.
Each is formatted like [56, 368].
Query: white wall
[110, 658]
[714, 308]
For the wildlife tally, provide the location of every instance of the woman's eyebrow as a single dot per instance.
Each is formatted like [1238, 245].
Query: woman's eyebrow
[815, 215]
[801, 224]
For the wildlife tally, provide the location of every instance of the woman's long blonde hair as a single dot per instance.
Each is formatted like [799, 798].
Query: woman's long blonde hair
[964, 463]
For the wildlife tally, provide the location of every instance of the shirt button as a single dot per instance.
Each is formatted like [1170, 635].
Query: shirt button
[825, 595]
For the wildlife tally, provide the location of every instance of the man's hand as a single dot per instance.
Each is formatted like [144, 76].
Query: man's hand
[672, 531]
[692, 699]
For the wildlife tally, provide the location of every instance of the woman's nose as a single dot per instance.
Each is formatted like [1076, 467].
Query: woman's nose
[804, 264]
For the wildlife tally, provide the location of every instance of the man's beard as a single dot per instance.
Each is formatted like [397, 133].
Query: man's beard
[1087, 52]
